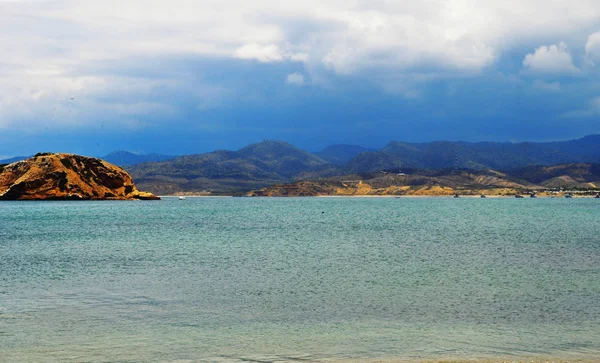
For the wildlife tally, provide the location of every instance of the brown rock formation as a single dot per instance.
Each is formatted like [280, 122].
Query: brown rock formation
[48, 176]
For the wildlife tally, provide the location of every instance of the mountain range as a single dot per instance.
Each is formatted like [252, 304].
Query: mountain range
[477, 156]
[126, 158]
[13, 160]
[342, 154]
[224, 171]
[119, 158]
[271, 162]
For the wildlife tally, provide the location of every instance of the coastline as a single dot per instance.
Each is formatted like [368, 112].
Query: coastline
[196, 196]
[530, 359]
[538, 359]
[467, 196]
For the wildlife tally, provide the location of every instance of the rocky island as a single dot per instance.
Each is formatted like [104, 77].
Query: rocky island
[50, 176]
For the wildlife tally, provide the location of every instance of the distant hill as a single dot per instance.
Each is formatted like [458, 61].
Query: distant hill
[225, 171]
[119, 158]
[561, 176]
[271, 162]
[477, 156]
[341, 154]
[125, 158]
[280, 158]
[13, 160]
[539, 179]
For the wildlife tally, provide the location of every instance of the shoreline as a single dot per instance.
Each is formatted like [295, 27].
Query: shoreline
[196, 196]
[386, 196]
[537, 359]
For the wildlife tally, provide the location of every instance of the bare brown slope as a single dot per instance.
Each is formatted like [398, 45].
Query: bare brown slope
[426, 183]
[581, 176]
[49, 176]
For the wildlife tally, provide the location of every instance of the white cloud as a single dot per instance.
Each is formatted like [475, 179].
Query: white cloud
[345, 36]
[398, 41]
[52, 47]
[268, 53]
[295, 79]
[553, 59]
[38, 99]
[262, 53]
[592, 47]
[299, 57]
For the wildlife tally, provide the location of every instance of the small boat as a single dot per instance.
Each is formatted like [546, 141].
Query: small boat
[597, 196]
[519, 196]
[568, 196]
[532, 195]
[482, 196]
[456, 196]
[181, 198]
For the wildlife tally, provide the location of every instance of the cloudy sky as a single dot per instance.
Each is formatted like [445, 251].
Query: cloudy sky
[189, 76]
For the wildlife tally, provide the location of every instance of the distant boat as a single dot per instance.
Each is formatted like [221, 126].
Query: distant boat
[456, 196]
[482, 196]
[568, 196]
[532, 195]
[181, 198]
[597, 196]
[519, 196]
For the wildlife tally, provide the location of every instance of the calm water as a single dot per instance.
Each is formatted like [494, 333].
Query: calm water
[238, 279]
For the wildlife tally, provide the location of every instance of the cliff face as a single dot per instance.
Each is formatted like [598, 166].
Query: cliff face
[48, 176]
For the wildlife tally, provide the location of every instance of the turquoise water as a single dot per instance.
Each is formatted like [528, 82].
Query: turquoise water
[288, 279]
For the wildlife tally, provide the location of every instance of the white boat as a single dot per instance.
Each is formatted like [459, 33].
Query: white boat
[181, 198]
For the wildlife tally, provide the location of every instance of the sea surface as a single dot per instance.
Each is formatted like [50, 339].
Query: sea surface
[300, 279]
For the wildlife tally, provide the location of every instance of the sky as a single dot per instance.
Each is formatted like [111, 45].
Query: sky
[191, 76]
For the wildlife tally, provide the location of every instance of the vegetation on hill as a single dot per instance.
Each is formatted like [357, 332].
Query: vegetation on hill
[226, 172]
[582, 172]
[478, 156]
[341, 154]
[277, 162]
[573, 175]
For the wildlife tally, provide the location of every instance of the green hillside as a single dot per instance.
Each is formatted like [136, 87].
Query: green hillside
[227, 171]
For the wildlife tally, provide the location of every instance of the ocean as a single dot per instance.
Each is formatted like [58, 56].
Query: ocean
[300, 279]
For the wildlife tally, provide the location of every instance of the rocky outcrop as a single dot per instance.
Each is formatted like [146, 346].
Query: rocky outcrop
[48, 176]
